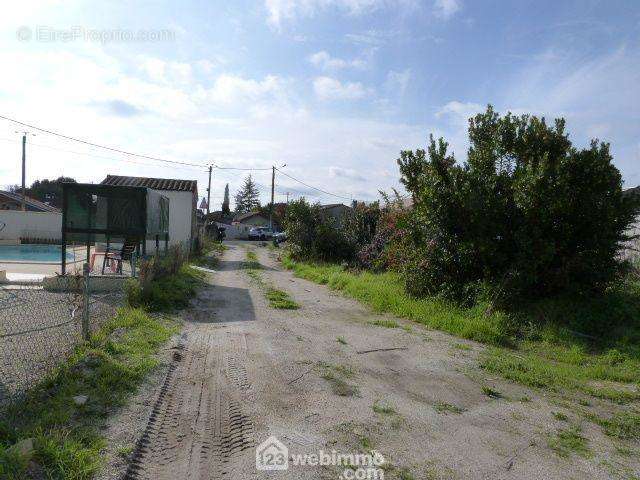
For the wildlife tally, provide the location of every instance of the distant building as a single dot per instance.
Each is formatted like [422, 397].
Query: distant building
[252, 218]
[335, 211]
[183, 200]
[13, 201]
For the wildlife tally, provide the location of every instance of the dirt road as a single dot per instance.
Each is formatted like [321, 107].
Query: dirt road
[330, 376]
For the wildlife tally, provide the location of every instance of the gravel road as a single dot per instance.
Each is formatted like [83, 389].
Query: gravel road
[325, 377]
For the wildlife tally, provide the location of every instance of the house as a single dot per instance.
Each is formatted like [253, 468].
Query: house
[13, 201]
[255, 219]
[183, 200]
[335, 211]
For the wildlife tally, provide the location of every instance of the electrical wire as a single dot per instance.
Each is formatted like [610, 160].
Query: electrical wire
[312, 187]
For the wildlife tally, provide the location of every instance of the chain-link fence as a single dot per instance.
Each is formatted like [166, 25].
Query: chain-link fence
[39, 327]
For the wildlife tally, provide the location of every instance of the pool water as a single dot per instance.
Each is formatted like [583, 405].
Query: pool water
[33, 253]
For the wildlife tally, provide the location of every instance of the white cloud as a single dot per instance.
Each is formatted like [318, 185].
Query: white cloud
[349, 173]
[325, 61]
[397, 82]
[280, 10]
[229, 89]
[459, 113]
[446, 8]
[327, 88]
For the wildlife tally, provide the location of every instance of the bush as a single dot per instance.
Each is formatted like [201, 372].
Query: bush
[528, 215]
[164, 283]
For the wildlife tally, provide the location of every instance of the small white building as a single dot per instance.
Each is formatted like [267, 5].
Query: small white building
[183, 200]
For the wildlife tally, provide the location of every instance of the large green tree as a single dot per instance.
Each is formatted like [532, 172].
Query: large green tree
[48, 191]
[527, 214]
[248, 197]
[225, 203]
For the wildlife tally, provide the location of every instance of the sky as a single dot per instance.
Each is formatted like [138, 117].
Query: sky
[334, 89]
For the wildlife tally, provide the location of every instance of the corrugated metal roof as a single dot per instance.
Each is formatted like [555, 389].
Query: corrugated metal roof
[154, 183]
[31, 202]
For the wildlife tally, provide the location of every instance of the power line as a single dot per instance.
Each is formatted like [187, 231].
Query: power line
[86, 142]
[312, 187]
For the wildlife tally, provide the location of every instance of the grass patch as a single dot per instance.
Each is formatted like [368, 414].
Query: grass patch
[442, 407]
[108, 369]
[560, 416]
[385, 293]
[280, 299]
[167, 293]
[383, 408]
[336, 375]
[490, 392]
[341, 340]
[384, 323]
[461, 346]
[589, 345]
[568, 441]
[209, 256]
[622, 425]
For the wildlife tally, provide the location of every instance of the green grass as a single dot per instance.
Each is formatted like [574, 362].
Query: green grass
[588, 345]
[336, 375]
[383, 408]
[560, 416]
[280, 299]
[442, 407]
[167, 293]
[209, 256]
[490, 392]
[385, 293]
[623, 425]
[341, 340]
[567, 441]
[384, 323]
[108, 369]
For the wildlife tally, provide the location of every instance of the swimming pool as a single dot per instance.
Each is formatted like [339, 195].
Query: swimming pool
[33, 253]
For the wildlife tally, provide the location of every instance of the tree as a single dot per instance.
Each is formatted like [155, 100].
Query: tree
[48, 191]
[248, 197]
[225, 203]
[528, 214]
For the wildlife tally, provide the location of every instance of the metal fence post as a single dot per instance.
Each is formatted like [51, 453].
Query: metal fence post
[85, 309]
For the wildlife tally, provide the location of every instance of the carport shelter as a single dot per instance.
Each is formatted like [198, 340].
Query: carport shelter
[106, 213]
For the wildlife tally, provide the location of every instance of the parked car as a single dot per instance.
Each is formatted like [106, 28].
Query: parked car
[279, 237]
[260, 233]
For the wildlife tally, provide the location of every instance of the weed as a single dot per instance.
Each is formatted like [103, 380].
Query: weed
[405, 474]
[490, 392]
[365, 442]
[341, 340]
[384, 323]
[384, 409]
[461, 346]
[107, 370]
[124, 450]
[624, 451]
[560, 416]
[525, 399]
[407, 328]
[334, 376]
[564, 442]
[280, 299]
[442, 407]
[167, 293]
[623, 425]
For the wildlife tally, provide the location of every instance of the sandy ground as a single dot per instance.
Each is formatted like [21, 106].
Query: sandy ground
[242, 371]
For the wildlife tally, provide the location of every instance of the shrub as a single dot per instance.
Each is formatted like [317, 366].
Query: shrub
[527, 215]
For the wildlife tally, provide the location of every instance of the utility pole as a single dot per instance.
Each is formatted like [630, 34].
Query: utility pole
[24, 162]
[273, 183]
[209, 191]
[287, 198]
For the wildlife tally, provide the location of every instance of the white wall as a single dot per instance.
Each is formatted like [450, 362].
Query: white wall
[235, 231]
[29, 224]
[180, 220]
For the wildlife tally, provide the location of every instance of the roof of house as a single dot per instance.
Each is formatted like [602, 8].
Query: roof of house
[245, 216]
[333, 205]
[31, 202]
[153, 183]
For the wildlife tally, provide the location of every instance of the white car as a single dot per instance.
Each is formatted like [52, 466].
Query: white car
[260, 233]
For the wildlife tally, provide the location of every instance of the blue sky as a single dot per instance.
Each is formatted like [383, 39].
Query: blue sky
[333, 88]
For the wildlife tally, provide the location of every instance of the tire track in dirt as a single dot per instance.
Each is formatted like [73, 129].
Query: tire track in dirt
[198, 429]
